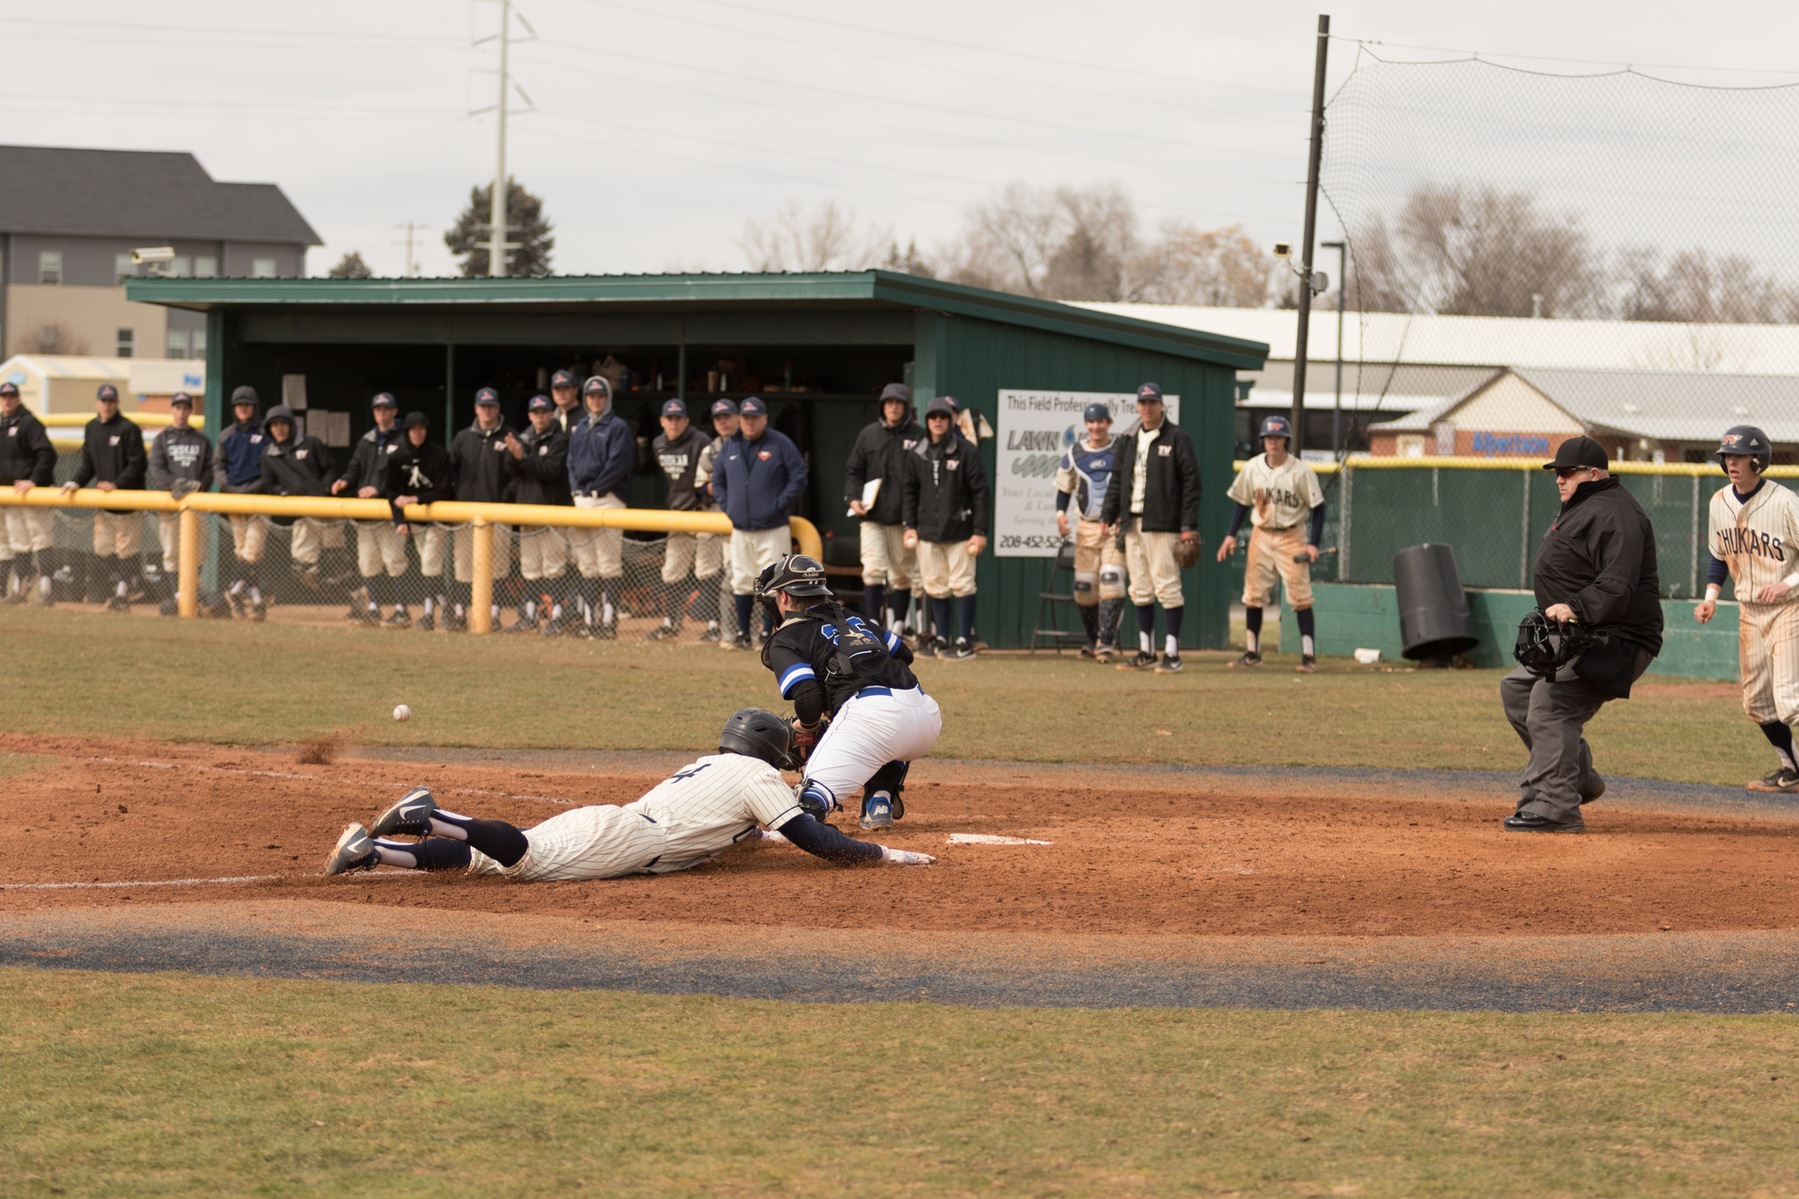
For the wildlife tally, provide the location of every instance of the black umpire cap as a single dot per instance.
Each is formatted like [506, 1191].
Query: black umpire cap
[1578, 452]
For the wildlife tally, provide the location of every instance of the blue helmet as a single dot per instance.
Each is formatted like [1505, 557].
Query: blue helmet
[1277, 426]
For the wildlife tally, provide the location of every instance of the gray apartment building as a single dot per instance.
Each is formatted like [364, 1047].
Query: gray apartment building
[70, 219]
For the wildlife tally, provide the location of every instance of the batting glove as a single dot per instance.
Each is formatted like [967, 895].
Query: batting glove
[905, 857]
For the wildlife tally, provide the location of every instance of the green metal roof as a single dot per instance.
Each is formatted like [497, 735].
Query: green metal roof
[830, 290]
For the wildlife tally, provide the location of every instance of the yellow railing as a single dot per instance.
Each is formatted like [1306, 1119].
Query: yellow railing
[480, 517]
[143, 420]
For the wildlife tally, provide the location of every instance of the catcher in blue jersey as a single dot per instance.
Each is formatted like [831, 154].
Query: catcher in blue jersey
[859, 714]
[1082, 476]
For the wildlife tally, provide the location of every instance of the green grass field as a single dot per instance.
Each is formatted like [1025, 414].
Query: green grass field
[263, 684]
[168, 1084]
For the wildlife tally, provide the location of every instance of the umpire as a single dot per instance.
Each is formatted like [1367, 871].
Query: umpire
[1595, 568]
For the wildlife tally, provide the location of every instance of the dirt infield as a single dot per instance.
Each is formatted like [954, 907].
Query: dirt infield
[1133, 853]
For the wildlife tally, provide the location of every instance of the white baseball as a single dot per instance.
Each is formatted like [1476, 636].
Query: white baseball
[402, 713]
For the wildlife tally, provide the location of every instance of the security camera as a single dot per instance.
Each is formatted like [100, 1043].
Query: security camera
[152, 254]
[1283, 249]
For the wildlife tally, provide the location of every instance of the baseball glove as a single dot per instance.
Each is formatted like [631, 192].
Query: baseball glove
[1186, 552]
[805, 740]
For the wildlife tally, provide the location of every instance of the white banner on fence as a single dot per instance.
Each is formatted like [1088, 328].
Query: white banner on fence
[1035, 427]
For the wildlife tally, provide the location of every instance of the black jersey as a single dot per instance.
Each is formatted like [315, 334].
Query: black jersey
[838, 648]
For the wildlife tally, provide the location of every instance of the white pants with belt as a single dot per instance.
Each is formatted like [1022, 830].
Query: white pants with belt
[868, 732]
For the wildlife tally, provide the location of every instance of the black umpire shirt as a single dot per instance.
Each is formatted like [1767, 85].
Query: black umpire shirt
[1598, 557]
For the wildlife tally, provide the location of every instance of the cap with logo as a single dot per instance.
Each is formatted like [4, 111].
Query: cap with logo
[562, 379]
[941, 406]
[675, 408]
[487, 395]
[1097, 411]
[107, 392]
[1578, 452]
[9, 389]
[724, 408]
[385, 399]
[181, 397]
[1149, 393]
[752, 406]
[597, 384]
[541, 403]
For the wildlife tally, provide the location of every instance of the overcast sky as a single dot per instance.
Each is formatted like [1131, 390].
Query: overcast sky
[662, 126]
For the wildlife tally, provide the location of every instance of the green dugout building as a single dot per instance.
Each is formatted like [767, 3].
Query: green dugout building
[817, 347]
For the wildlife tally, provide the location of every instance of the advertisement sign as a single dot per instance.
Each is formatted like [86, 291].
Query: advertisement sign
[1033, 430]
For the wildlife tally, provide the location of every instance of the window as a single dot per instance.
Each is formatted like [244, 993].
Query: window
[199, 343]
[177, 343]
[206, 267]
[127, 339]
[49, 267]
[180, 266]
[123, 268]
[262, 268]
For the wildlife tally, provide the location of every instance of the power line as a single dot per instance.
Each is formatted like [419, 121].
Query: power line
[159, 27]
[218, 108]
[1488, 56]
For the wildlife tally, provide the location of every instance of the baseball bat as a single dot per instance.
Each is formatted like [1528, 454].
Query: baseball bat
[1321, 553]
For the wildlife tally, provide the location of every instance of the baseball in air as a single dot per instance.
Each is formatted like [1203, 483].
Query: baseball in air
[402, 713]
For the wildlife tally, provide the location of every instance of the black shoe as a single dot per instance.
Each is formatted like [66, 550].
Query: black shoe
[1594, 789]
[1781, 780]
[455, 624]
[527, 624]
[170, 608]
[740, 642]
[663, 632]
[427, 623]
[401, 619]
[117, 604]
[1143, 661]
[1247, 659]
[555, 626]
[366, 616]
[605, 632]
[1530, 822]
[1089, 653]
[711, 634]
[961, 651]
[1170, 664]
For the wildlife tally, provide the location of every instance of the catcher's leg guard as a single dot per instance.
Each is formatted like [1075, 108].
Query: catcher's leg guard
[1111, 615]
[1090, 623]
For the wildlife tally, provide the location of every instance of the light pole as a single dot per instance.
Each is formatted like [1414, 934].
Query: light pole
[1342, 286]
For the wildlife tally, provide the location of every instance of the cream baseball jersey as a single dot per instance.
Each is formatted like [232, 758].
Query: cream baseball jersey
[1757, 538]
[1281, 497]
[696, 813]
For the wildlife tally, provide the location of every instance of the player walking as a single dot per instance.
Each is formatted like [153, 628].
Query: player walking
[1083, 476]
[1754, 536]
[690, 817]
[835, 664]
[1276, 490]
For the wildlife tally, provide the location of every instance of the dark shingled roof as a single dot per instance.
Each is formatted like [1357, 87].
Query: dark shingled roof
[139, 194]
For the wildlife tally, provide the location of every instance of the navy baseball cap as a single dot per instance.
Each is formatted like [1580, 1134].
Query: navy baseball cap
[675, 408]
[416, 419]
[385, 400]
[9, 389]
[107, 392]
[1096, 411]
[487, 395]
[180, 397]
[540, 403]
[563, 379]
[941, 406]
[752, 406]
[1149, 393]
[597, 384]
[724, 408]
[897, 391]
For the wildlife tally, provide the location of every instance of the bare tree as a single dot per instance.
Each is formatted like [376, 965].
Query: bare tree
[1217, 268]
[54, 337]
[1483, 252]
[829, 239]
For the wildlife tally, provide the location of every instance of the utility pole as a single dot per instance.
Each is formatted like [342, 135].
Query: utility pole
[413, 228]
[496, 246]
[1300, 348]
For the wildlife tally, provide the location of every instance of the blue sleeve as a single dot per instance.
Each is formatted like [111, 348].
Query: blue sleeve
[1237, 519]
[823, 841]
[721, 479]
[1716, 572]
[1061, 501]
[621, 449]
[796, 476]
[1317, 526]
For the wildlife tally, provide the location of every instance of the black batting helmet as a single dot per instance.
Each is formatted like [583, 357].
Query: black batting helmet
[1277, 426]
[1545, 646]
[1745, 439]
[756, 733]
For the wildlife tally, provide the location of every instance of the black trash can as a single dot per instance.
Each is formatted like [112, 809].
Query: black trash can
[1433, 608]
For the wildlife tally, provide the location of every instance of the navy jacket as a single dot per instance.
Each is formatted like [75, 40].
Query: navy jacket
[757, 483]
[601, 452]
[237, 464]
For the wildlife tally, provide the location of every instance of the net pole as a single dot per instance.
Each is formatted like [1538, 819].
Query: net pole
[1305, 245]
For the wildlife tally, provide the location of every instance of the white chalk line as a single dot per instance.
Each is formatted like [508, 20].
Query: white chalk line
[319, 778]
[188, 882]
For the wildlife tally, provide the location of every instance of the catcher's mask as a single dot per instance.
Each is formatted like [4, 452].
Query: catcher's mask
[756, 733]
[1544, 646]
[797, 574]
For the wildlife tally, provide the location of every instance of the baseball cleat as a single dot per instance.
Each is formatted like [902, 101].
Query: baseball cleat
[961, 651]
[1143, 660]
[1530, 822]
[1169, 664]
[877, 812]
[711, 633]
[1246, 660]
[1307, 665]
[663, 632]
[410, 814]
[427, 623]
[741, 642]
[1781, 780]
[1105, 653]
[1089, 653]
[353, 851]
[401, 619]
